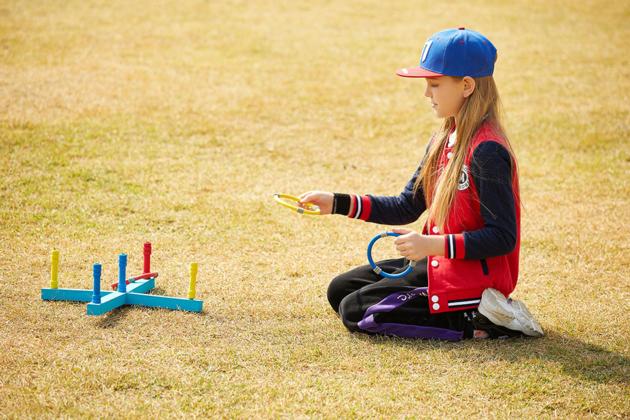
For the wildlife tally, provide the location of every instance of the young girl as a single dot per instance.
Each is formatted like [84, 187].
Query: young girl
[466, 190]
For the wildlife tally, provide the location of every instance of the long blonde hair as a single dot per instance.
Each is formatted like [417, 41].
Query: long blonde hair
[439, 190]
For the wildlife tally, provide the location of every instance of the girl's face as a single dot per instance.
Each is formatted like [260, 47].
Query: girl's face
[447, 94]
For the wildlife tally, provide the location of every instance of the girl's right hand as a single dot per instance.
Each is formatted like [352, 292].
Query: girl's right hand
[322, 199]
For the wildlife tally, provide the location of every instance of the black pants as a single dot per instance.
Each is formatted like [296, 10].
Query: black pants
[352, 293]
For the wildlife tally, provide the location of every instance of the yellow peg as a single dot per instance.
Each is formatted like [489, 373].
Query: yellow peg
[54, 270]
[193, 280]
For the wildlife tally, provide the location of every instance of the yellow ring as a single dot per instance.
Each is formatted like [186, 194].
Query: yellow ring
[310, 209]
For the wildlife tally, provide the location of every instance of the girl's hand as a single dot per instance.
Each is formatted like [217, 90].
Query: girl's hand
[412, 245]
[322, 199]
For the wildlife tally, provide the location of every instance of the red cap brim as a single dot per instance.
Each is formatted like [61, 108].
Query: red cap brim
[416, 72]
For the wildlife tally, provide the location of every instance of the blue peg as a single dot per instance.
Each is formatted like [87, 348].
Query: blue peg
[96, 296]
[122, 273]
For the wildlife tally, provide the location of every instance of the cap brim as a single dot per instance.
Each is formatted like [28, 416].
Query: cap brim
[417, 72]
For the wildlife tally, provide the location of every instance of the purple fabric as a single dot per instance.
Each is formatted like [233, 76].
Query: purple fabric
[394, 301]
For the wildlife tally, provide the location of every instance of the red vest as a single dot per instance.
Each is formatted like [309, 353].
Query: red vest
[456, 283]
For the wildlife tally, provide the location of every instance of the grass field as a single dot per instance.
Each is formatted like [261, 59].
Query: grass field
[175, 122]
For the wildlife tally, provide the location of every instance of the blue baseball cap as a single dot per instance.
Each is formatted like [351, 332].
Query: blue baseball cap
[454, 52]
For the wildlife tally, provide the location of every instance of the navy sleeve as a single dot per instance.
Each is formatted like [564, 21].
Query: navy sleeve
[491, 169]
[402, 209]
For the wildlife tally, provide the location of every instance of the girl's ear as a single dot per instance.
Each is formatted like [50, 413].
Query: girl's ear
[469, 86]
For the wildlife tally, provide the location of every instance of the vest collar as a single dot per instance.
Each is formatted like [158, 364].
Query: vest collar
[452, 138]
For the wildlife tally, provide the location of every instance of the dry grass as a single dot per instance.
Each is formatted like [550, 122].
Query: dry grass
[174, 122]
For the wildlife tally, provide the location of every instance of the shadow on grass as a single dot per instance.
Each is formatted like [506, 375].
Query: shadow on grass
[113, 318]
[576, 357]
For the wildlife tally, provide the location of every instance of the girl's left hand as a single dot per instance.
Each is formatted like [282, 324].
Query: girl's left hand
[411, 245]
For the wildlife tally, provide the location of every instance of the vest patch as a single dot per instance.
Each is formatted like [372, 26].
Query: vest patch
[464, 180]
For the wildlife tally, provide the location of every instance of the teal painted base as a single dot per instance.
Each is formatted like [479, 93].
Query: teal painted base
[167, 302]
[76, 295]
[135, 295]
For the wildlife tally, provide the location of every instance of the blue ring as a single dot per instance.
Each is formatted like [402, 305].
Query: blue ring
[378, 270]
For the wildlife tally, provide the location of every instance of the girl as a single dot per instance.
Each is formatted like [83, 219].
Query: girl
[466, 194]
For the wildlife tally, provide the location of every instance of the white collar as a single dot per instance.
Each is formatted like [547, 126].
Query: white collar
[452, 138]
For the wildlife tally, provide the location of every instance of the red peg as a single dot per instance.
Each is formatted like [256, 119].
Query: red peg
[147, 257]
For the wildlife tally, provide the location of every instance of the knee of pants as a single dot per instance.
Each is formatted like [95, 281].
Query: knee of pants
[350, 313]
[337, 290]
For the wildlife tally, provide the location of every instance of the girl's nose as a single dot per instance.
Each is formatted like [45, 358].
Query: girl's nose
[427, 92]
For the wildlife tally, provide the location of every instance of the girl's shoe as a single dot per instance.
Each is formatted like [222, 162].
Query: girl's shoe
[508, 313]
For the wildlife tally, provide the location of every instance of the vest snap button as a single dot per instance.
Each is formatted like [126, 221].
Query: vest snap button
[434, 263]
[436, 306]
[449, 155]
[435, 229]
[435, 298]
